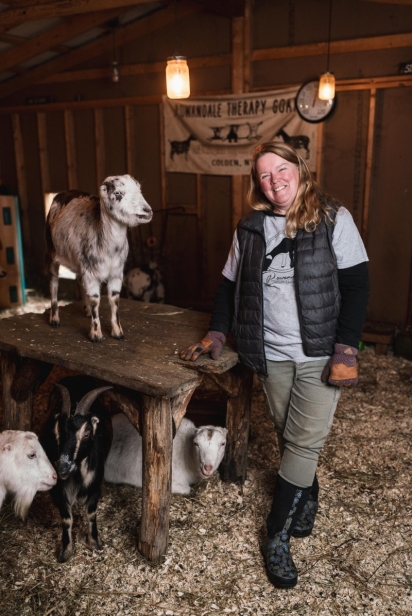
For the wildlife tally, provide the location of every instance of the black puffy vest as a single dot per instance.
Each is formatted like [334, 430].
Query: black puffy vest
[316, 283]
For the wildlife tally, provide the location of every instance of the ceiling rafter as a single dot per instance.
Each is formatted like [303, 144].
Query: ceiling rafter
[60, 8]
[98, 47]
[72, 26]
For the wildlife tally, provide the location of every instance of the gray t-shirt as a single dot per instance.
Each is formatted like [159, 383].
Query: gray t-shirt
[281, 322]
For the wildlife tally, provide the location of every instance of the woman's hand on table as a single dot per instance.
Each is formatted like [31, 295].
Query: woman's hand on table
[212, 343]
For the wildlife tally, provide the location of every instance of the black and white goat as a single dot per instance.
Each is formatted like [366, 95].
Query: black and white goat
[89, 236]
[77, 439]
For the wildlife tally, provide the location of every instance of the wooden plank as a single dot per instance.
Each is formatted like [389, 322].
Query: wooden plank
[237, 88]
[34, 11]
[102, 45]
[377, 338]
[319, 153]
[247, 45]
[21, 183]
[409, 2]
[157, 478]
[71, 27]
[99, 146]
[70, 143]
[43, 152]
[129, 130]
[16, 416]
[389, 41]
[162, 159]
[234, 465]
[143, 68]
[368, 166]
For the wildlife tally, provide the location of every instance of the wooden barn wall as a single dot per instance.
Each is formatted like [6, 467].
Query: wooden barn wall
[192, 240]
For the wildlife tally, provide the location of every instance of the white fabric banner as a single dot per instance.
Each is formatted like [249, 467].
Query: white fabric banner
[217, 134]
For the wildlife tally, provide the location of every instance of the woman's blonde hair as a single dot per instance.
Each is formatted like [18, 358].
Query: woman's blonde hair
[310, 202]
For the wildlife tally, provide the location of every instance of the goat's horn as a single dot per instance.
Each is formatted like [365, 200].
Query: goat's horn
[67, 405]
[87, 400]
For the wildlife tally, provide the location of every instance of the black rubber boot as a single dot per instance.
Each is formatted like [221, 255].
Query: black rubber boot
[288, 503]
[306, 520]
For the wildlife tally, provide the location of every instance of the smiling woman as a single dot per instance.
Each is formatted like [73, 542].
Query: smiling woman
[294, 294]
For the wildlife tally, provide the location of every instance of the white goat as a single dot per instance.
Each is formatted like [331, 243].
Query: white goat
[197, 453]
[89, 236]
[24, 469]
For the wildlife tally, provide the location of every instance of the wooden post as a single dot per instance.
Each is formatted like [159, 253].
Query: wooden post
[162, 158]
[129, 132]
[16, 416]
[319, 152]
[157, 477]
[234, 465]
[368, 167]
[99, 145]
[43, 152]
[70, 149]
[21, 183]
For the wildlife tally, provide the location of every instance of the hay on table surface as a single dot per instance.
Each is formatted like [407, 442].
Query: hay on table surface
[358, 560]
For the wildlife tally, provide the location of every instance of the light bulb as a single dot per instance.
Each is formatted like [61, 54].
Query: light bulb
[327, 87]
[115, 72]
[177, 77]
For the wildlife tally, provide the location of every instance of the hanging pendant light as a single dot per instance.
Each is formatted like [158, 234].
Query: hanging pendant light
[177, 72]
[114, 65]
[327, 80]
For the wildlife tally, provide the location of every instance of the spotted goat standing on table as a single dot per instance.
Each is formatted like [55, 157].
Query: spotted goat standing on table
[197, 453]
[24, 469]
[77, 438]
[89, 236]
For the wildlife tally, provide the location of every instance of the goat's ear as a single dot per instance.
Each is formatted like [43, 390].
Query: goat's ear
[95, 421]
[87, 400]
[7, 447]
[66, 402]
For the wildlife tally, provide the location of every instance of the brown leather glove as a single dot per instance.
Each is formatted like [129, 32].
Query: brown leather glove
[341, 369]
[212, 343]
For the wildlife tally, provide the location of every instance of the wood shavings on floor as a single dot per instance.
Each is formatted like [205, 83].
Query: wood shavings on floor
[358, 560]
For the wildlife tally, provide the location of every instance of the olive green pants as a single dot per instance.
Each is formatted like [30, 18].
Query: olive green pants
[302, 409]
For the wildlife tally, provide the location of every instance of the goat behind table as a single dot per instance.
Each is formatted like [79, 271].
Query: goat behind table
[77, 438]
[197, 453]
[89, 236]
[24, 469]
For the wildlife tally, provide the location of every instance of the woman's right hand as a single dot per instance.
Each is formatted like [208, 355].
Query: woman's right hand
[212, 343]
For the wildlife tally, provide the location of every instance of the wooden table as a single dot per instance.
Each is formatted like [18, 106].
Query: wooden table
[152, 386]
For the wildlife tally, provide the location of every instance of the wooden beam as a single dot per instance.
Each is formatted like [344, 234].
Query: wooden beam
[70, 149]
[126, 34]
[153, 99]
[53, 37]
[34, 11]
[319, 149]
[137, 69]
[162, 154]
[237, 88]
[129, 127]
[43, 152]
[409, 2]
[390, 41]
[99, 146]
[21, 183]
[368, 167]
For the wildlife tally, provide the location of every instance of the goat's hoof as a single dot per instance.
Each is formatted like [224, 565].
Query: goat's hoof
[95, 338]
[94, 544]
[65, 555]
[55, 323]
[118, 336]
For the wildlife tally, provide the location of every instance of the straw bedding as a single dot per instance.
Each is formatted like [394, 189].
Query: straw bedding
[358, 560]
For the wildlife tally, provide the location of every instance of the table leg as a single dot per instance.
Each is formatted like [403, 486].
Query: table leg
[157, 477]
[234, 467]
[16, 415]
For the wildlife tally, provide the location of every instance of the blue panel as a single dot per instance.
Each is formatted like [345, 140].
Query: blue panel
[10, 255]
[7, 216]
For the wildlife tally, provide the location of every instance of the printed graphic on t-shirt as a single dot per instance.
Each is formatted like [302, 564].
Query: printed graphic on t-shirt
[278, 266]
